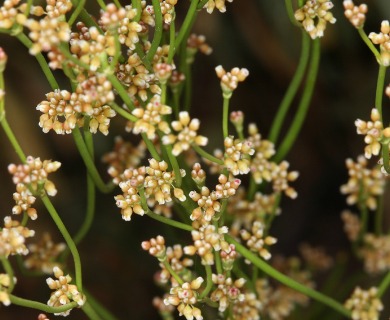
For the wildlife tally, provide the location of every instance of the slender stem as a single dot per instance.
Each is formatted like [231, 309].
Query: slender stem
[187, 23]
[117, 3]
[157, 31]
[172, 36]
[290, 12]
[292, 89]
[123, 112]
[101, 4]
[379, 215]
[188, 86]
[65, 50]
[28, 7]
[172, 272]
[201, 4]
[225, 117]
[90, 312]
[104, 313]
[266, 268]
[41, 60]
[252, 188]
[303, 104]
[141, 54]
[76, 12]
[151, 147]
[10, 272]
[121, 91]
[168, 221]
[83, 150]
[369, 44]
[173, 161]
[11, 137]
[137, 5]
[380, 89]
[41, 306]
[69, 241]
[206, 155]
[385, 156]
[217, 256]
[209, 282]
[384, 285]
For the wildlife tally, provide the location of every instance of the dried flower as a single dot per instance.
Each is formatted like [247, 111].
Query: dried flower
[314, 16]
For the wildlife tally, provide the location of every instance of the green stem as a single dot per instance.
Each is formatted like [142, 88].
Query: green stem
[379, 215]
[384, 285]
[292, 89]
[151, 147]
[217, 256]
[41, 306]
[172, 36]
[303, 104]
[90, 312]
[101, 4]
[225, 117]
[103, 312]
[121, 91]
[385, 156]
[380, 89]
[201, 4]
[187, 23]
[369, 44]
[64, 48]
[172, 272]
[266, 268]
[137, 5]
[41, 60]
[83, 150]
[141, 54]
[11, 137]
[290, 12]
[76, 12]
[209, 282]
[168, 221]
[187, 87]
[158, 31]
[173, 161]
[9, 271]
[206, 155]
[123, 112]
[69, 241]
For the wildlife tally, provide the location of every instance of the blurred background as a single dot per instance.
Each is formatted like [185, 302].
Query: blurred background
[257, 35]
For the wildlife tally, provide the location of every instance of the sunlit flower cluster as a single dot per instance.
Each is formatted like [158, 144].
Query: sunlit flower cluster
[314, 16]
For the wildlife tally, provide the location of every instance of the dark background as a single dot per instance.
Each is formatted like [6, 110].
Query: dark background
[252, 34]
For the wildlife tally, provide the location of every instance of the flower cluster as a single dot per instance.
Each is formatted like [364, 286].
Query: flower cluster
[130, 201]
[230, 80]
[155, 247]
[314, 16]
[237, 155]
[256, 241]
[219, 4]
[64, 291]
[34, 174]
[43, 254]
[24, 200]
[5, 282]
[364, 184]
[383, 39]
[186, 134]
[184, 297]
[364, 304]
[13, 237]
[227, 291]
[355, 14]
[373, 131]
[376, 253]
[352, 225]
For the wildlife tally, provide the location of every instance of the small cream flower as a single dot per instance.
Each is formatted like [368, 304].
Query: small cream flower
[186, 134]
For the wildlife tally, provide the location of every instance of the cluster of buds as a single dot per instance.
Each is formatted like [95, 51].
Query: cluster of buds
[130, 201]
[364, 304]
[364, 184]
[247, 309]
[43, 254]
[208, 204]
[64, 291]
[186, 134]
[237, 155]
[226, 188]
[158, 182]
[352, 225]
[207, 238]
[227, 291]
[376, 253]
[230, 80]
[13, 237]
[256, 241]
[175, 258]
[383, 39]
[10, 13]
[151, 118]
[196, 43]
[56, 8]
[355, 14]
[228, 257]
[167, 8]
[281, 177]
[374, 132]
[5, 282]
[155, 247]
[198, 174]
[184, 297]
[314, 16]
[24, 200]
[47, 33]
[34, 174]
[316, 258]
[219, 4]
